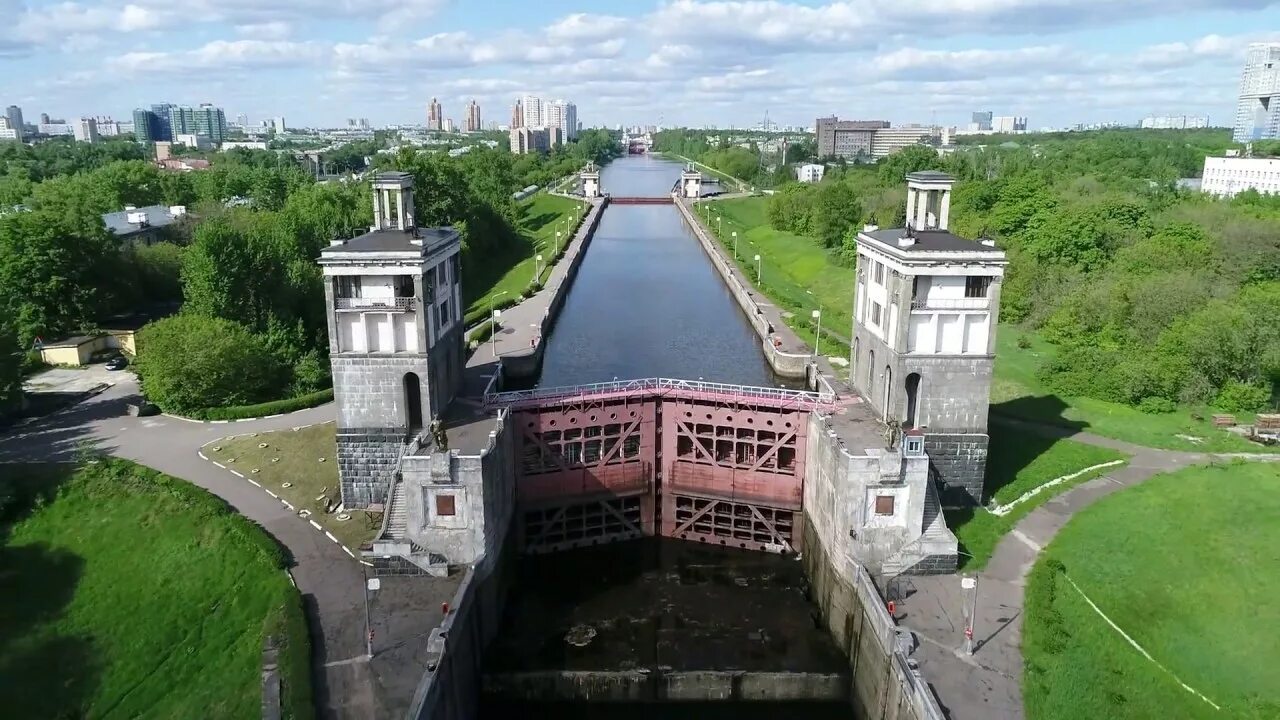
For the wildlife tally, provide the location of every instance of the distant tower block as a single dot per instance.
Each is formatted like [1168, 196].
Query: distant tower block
[691, 183]
[395, 336]
[925, 311]
[590, 181]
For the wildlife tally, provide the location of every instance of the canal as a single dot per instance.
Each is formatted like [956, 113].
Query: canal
[647, 301]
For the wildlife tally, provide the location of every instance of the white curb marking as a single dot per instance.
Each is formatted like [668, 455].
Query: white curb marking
[1004, 509]
[202, 455]
[330, 536]
[255, 482]
[272, 494]
[316, 525]
[237, 474]
[215, 462]
[1138, 647]
[286, 504]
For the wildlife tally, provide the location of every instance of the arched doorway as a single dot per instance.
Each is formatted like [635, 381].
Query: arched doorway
[888, 393]
[871, 373]
[912, 386]
[413, 401]
[853, 362]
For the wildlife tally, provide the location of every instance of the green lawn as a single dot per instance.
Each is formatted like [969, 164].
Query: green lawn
[799, 274]
[128, 593]
[503, 276]
[296, 455]
[1187, 565]
[1017, 393]
[1016, 463]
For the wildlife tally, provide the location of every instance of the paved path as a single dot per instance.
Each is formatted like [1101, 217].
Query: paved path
[331, 583]
[988, 684]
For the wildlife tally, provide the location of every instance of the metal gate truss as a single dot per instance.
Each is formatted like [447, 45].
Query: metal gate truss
[732, 524]
[601, 520]
[618, 461]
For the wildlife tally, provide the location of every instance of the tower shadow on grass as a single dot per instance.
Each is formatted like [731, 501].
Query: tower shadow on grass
[43, 672]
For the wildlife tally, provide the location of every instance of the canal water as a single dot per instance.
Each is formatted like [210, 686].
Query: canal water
[647, 301]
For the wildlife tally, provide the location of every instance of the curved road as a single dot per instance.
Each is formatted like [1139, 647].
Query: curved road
[331, 583]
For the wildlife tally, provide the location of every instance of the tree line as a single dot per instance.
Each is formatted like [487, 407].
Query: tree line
[1154, 295]
[252, 326]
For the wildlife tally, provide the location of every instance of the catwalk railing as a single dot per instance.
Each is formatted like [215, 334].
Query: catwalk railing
[691, 389]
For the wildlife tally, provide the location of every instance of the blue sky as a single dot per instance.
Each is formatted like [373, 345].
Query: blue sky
[318, 62]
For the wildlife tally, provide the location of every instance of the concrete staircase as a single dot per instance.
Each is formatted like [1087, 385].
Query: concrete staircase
[935, 552]
[398, 519]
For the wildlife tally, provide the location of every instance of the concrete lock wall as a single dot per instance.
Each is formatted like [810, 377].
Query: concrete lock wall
[784, 364]
[526, 363]
[882, 683]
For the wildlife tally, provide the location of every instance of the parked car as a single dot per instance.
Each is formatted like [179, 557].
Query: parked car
[118, 362]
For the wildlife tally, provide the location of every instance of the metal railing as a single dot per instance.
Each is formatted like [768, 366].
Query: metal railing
[951, 304]
[698, 389]
[374, 303]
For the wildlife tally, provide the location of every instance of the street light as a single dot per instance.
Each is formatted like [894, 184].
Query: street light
[718, 227]
[735, 244]
[817, 315]
[493, 337]
[495, 297]
[759, 271]
[537, 268]
[557, 242]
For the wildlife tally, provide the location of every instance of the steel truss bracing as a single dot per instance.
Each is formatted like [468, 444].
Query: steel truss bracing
[688, 460]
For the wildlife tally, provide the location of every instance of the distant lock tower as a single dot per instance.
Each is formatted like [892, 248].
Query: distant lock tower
[393, 298]
[926, 308]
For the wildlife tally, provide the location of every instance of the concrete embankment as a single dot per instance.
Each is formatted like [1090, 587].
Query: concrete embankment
[525, 363]
[785, 364]
[669, 686]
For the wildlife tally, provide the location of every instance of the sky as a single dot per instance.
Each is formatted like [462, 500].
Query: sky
[675, 62]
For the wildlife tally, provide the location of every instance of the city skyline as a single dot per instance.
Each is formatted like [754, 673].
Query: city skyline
[692, 63]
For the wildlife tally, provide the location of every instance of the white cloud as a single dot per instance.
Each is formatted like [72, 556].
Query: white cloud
[581, 27]
[274, 30]
[222, 55]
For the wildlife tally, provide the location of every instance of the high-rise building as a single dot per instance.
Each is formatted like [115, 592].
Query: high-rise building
[517, 115]
[44, 118]
[146, 126]
[6, 132]
[846, 138]
[473, 116]
[206, 120]
[563, 115]
[14, 114]
[448, 125]
[527, 140]
[435, 116]
[1258, 109]
[278, 126]
[980, 121]
[532, 116]
[86, 130]
[164, 131]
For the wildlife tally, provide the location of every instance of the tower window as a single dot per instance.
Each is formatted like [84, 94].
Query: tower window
[875, 313]
[446, 506]
[879, 272]
[884, 504]
[348, 286]
[404, 286]
[975, 286]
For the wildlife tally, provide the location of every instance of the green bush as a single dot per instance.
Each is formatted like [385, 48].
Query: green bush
[484, 333]
[1157, 405]
[187, 362]
[310, 374]
[481, 313]
[1243, 397]
[274, 407]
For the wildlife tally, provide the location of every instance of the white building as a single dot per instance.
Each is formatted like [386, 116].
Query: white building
[531, 107]
[1175, 122]
[246, 144]
[563, 115]
[1227, 176]
[887, 141]
[86, 130]
[7, 131]
[810, 173]
[1008, 124]
[192, 141]
[277, 124]
[56, 129]
[1258, 109]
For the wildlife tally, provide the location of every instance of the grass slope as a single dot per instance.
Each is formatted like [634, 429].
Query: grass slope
[512, 271]
[1186, 564]
[1016, 463]
[1017, 393]
[799, 274]
[128, 593]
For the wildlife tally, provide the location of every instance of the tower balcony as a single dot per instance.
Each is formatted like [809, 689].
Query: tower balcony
[375, 304]
[927, 304]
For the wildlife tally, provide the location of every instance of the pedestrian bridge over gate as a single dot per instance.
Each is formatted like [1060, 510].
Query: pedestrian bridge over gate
[710, 462]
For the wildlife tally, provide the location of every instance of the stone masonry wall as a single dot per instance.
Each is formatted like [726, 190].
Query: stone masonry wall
[366, 461]
[960, 459]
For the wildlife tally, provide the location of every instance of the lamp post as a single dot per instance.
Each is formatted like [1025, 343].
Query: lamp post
[718, 226]
[493, 336]
[817, 315]
[735, 244]
[557, 242]
[759, 271]
[537, 268]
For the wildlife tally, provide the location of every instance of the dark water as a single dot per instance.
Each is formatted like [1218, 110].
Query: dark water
[647, 301]
[490, 710]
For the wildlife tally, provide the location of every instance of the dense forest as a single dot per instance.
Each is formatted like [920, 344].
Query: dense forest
[1154, 295]
[243, 264]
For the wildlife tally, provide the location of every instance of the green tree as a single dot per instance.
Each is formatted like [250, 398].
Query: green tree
[11, 366]
[188, 362]
[836, 212]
